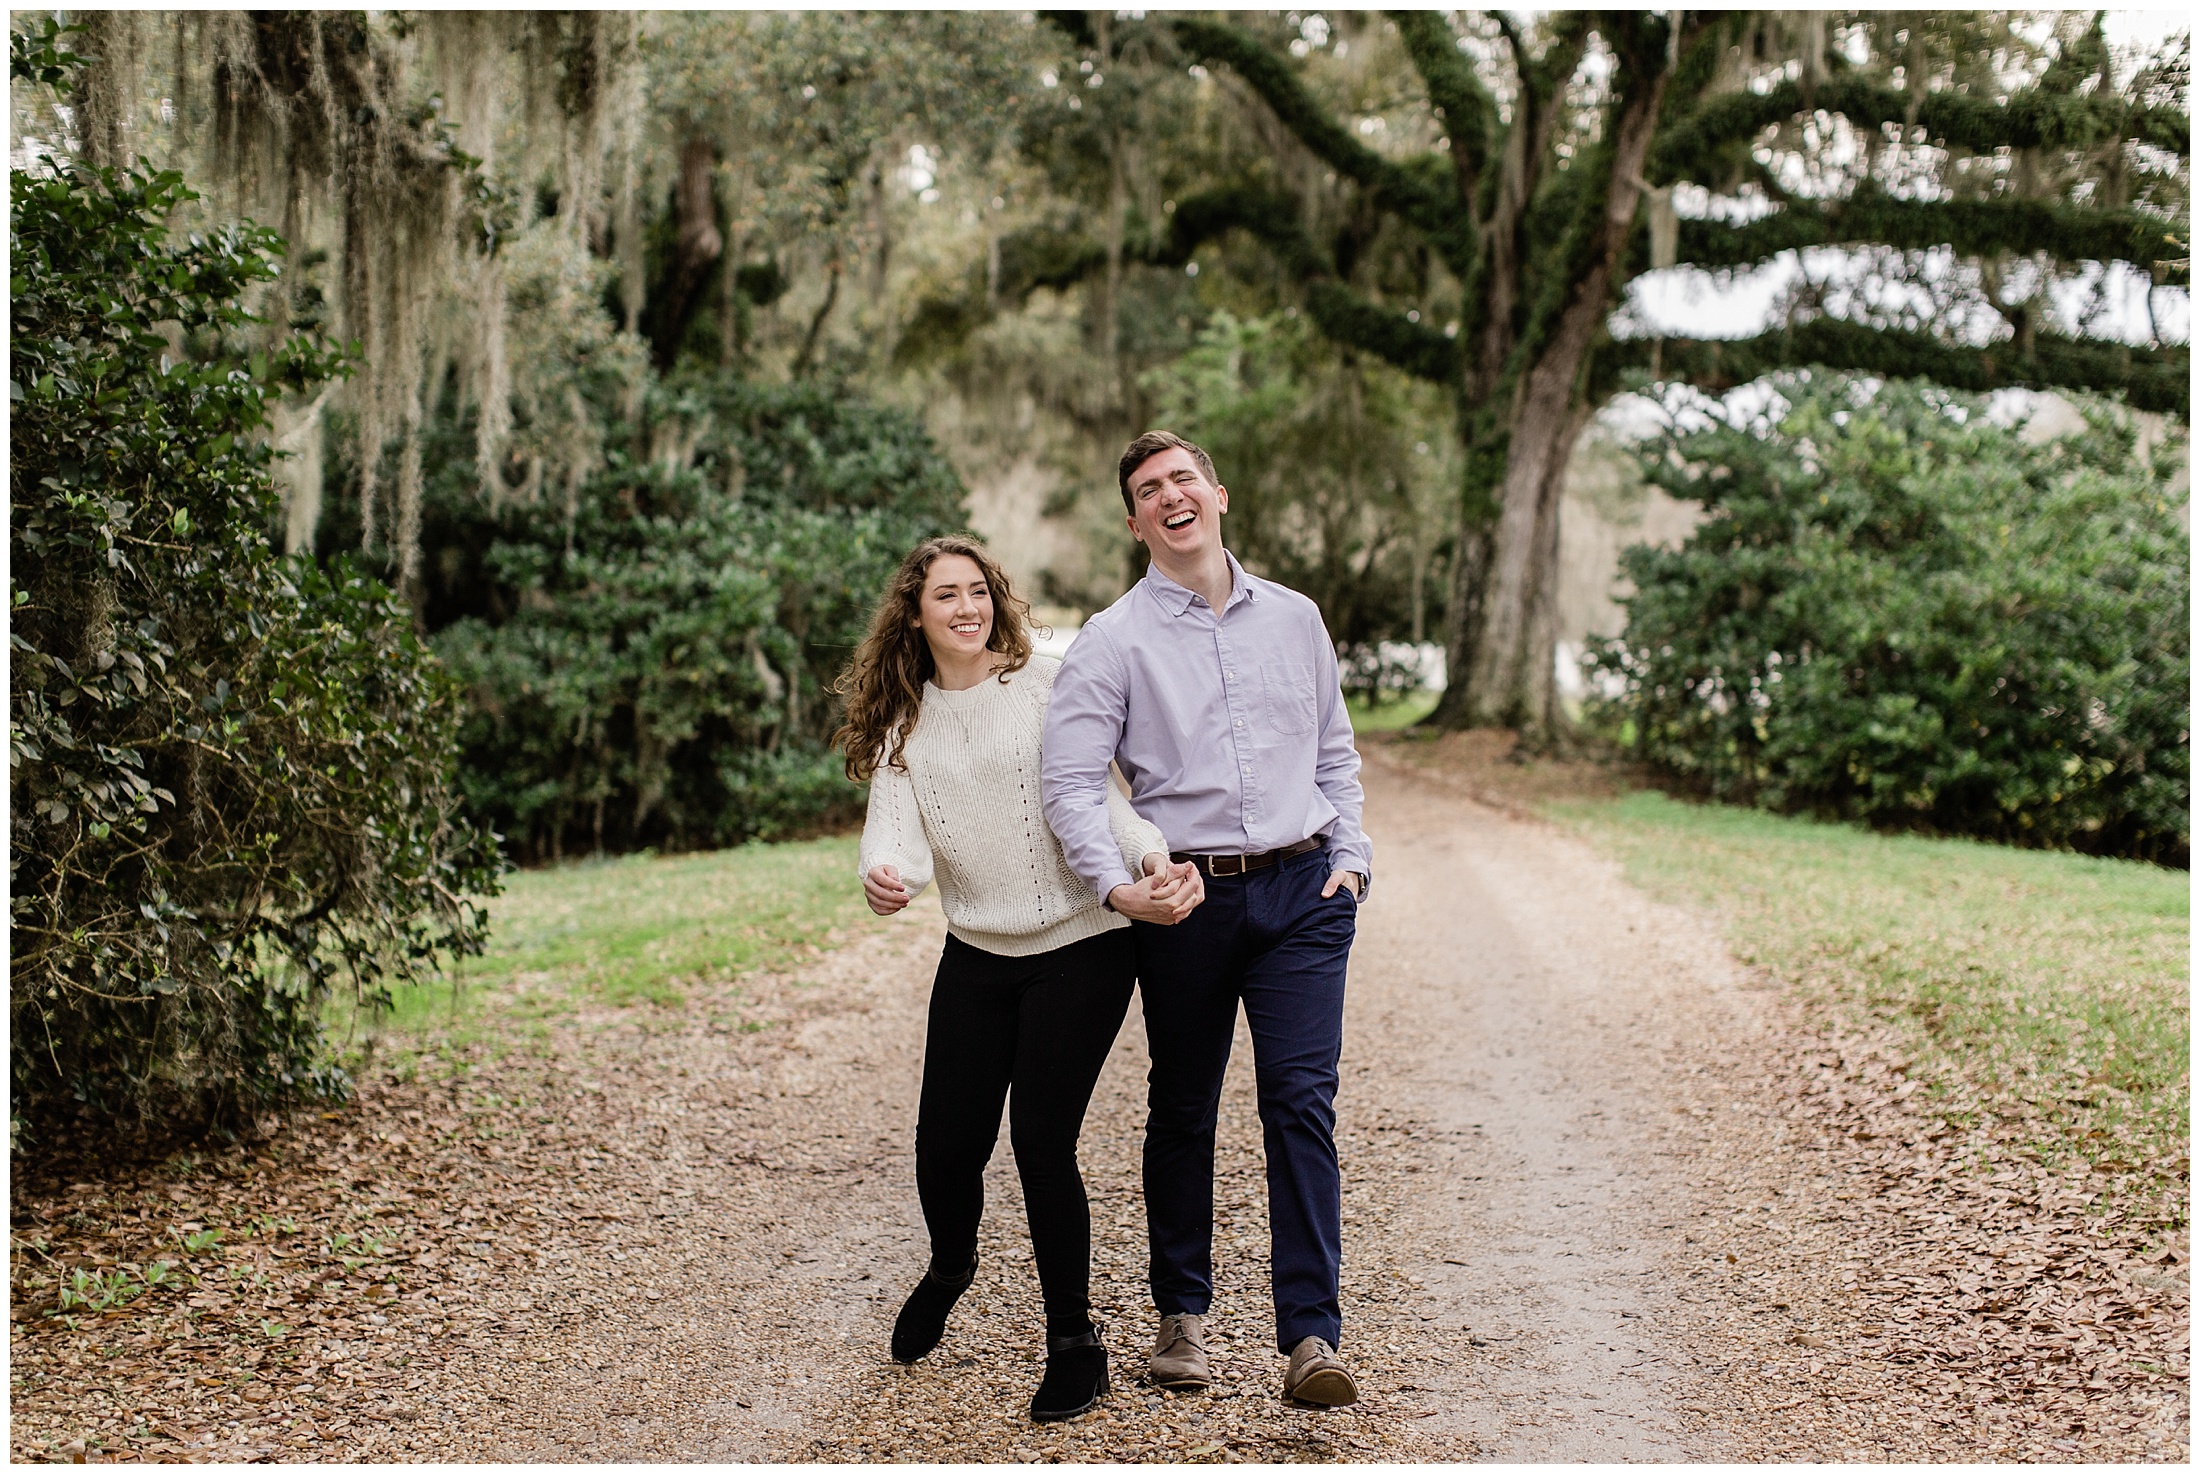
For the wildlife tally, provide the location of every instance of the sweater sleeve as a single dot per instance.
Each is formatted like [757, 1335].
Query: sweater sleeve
[893, 831]
[1136, 837]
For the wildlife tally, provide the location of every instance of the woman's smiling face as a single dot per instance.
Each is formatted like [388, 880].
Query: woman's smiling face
[955, 611]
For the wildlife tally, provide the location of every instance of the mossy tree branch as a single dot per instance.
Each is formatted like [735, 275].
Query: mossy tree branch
[1971, 227]
[2155, 379]
[1038, 258]
[1415, 190]
[1704, 145]
[1351, 319]
[1274, 218]
[1042, 256]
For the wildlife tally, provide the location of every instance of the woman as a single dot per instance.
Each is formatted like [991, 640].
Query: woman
[945, 705]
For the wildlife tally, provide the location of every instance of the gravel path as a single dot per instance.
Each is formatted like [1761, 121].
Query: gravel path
[1589, 1216]
[1518, 1199]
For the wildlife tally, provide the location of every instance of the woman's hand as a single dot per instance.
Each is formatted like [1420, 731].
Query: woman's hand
[883, 889]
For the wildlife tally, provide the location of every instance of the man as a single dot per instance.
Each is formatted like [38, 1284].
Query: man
[1216, 693]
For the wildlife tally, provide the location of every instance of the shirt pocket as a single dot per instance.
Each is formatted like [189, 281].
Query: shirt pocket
[1288, 688]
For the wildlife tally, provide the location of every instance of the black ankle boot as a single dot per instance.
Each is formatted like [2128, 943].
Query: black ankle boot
[1077, 1377]
[923, 1318]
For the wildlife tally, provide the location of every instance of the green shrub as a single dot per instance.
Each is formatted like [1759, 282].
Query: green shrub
[1900, 613]
[654, 668]
[231, 782]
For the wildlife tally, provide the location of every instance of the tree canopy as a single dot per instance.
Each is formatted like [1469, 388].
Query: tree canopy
[1479, 223]
[1001, 221]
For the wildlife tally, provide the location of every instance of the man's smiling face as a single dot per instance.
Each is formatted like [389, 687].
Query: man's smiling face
[1175, 510]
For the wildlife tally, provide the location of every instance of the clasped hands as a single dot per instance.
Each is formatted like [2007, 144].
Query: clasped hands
[1171, 889]
[1165, 896]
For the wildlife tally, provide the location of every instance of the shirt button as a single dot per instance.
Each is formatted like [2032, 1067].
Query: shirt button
[1239, 722]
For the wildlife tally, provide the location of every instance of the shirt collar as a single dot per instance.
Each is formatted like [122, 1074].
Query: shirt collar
[1176, 598]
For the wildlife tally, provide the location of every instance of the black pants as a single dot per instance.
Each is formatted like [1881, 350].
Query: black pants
[1042, 1025]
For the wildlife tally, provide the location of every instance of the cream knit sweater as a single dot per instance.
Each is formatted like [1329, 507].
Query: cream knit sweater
[967, 814]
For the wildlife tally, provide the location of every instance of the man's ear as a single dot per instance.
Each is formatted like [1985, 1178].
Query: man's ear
[1222, 497]
[1132, 524]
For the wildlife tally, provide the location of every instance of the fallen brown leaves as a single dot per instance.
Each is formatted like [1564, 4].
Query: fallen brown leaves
[570, 1254]
[1938, 1286]
[320, 1279]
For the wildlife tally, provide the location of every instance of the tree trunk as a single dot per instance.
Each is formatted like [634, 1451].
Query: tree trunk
[1508, 668]
[1503, 641]
[881, 228]
[1470, 564]
[803, 359]
[696, 250]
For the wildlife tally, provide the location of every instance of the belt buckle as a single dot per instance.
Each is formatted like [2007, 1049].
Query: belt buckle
[1215, 864]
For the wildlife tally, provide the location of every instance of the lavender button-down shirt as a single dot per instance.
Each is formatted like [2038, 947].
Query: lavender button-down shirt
[1231, 730]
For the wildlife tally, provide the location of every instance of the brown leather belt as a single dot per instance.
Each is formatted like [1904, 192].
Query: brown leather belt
[1223, 866]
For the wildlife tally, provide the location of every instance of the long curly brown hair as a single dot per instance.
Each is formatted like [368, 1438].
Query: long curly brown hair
[884, 685]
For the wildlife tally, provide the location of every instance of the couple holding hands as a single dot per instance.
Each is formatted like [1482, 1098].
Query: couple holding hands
[1231, 874]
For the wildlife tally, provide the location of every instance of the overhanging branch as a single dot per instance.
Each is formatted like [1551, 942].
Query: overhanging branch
[1275, 220]
[1699, 147]
[1279, 86]
[1043, 258]
[1272, 217]
[1040, 256]
[1358, 323]
[2155, 379]
[1971, 227]
[1414, 192]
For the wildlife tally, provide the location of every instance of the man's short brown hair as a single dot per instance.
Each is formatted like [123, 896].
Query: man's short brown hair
[1144, 449]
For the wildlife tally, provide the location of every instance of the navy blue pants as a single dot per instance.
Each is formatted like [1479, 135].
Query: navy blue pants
[1270, 941]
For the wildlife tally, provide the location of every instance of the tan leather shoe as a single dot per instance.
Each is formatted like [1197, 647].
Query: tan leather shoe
[1179, 1360]
[1316, 1376]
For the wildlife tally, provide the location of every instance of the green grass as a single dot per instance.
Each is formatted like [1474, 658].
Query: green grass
[1391, 716]
[2050, 979]
[640, 931]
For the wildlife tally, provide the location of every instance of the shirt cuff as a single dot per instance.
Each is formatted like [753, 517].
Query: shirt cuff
[1107, 884]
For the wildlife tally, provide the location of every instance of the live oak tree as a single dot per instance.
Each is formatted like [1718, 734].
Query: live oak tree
[467, 192]
[1961, 165]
